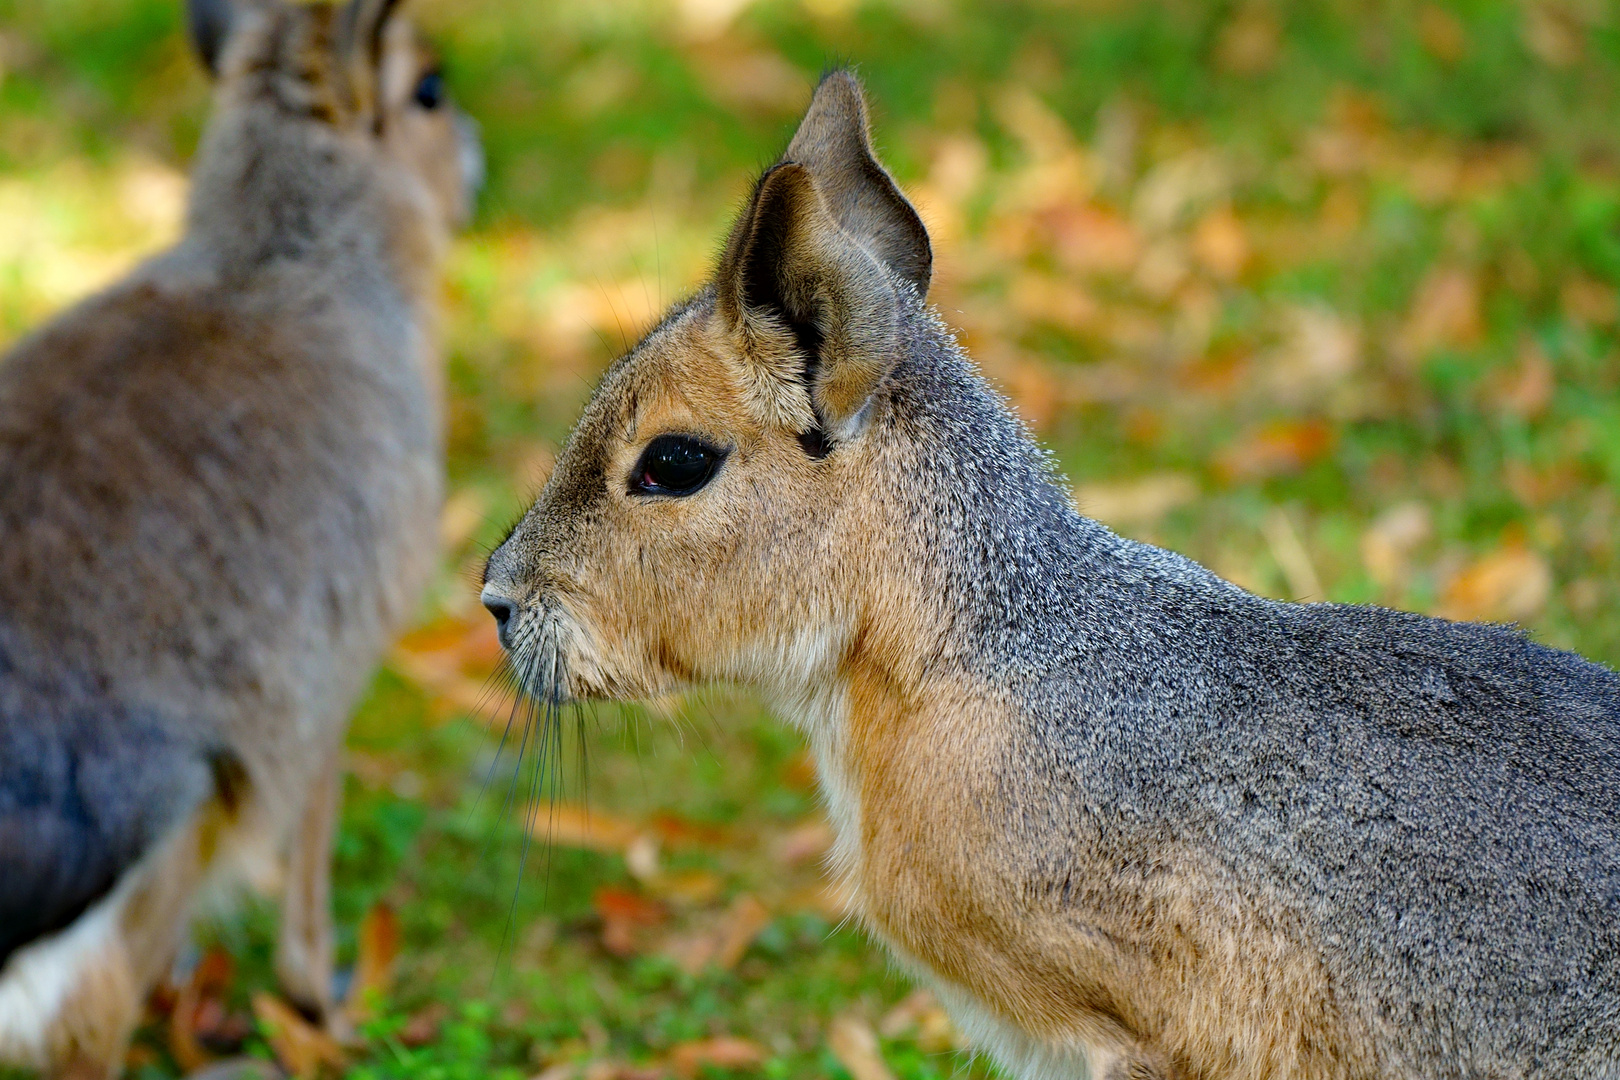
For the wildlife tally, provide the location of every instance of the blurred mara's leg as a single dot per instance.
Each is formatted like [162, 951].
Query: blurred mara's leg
[304, 952]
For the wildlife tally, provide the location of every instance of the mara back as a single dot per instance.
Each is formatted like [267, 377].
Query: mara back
[1128, 820]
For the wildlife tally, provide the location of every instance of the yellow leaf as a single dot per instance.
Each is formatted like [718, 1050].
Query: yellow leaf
[301, 1047]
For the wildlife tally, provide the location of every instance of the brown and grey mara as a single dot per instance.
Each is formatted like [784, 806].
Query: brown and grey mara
[1128, 819]
[219, 486]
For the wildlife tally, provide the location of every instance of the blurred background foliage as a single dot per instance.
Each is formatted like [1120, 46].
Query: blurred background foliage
[1321, 292]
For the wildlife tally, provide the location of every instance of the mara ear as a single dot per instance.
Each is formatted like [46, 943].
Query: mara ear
[812, 307]
[809, 273]
[835, 144]
[363, 24]
[360, 48]
[210, 24]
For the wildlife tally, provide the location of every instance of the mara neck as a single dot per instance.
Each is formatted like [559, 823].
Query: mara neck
[289, 198]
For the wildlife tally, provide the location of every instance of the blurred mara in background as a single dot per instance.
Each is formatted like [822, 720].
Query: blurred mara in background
[219, 482]
[1321, 294]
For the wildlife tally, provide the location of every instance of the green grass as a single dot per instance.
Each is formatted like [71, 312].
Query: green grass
[1339, 277]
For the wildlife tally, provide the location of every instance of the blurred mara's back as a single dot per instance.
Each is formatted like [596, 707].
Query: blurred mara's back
[219, 484]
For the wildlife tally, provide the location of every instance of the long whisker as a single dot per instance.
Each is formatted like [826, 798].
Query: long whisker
[507, 674]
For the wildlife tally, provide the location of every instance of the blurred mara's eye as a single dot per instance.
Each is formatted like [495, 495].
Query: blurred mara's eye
[430, 90]
[675, 465]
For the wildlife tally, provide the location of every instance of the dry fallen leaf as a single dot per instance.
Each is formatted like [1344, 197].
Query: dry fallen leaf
[423, 1025]
[690, 887]
[920, 1017]
[452, 659]
[803, 843]
[1442, 34]
[1553, 34]
[301, 1047]
[1247, 44]
[708, 18]
[1510, 584]
[1445, 313]
[573, 825]
[1221, 243]
[1056, 301]
[749, 80]
[374, 965]
[1275, 449]
[1526, 389]
[722, 1052]
[746, 918]
[1388, 543]
[855, 1045]
[209, 978]
[1589, 301]
[625, 915]
[1089, 239]
[1136, 503]
[1319, 348]
[723, 941]
[463, 512]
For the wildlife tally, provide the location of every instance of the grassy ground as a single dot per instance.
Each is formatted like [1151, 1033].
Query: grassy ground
[1321, 293]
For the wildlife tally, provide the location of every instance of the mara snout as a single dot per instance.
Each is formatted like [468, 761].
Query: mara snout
[219, 483]
[1129, 820]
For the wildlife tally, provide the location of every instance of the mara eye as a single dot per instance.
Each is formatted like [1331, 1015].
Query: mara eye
[429, 91]
[675, 465]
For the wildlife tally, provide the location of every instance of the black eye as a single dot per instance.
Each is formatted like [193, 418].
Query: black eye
[430, 90]
[675, 465]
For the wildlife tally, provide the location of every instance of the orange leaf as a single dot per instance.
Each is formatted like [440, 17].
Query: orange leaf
[374, 966]
[1510, 584]
[624, 914]
[1275, 450]
[452, 659]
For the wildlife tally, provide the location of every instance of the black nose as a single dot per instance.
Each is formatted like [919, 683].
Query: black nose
[503, 610]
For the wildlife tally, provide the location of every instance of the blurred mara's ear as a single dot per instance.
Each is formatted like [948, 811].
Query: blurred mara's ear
[210, 25]
[360, 47]
[810, 270]
[833, 142]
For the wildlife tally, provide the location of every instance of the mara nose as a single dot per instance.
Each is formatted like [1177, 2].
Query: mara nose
[503, 609]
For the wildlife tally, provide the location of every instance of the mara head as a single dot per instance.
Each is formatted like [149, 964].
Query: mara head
[348, 79]
[714, 515]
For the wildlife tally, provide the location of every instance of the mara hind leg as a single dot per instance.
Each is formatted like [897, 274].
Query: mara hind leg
[107, 961]
[304, 949]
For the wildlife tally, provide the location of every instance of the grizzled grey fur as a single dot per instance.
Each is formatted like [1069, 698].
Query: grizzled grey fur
[1438, 802]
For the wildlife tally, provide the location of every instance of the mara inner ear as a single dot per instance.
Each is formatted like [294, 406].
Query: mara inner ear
[834, 142]
[209, 22]
[812, 307]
